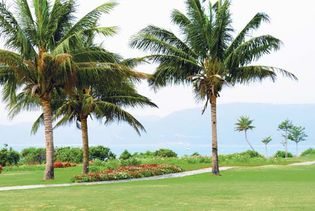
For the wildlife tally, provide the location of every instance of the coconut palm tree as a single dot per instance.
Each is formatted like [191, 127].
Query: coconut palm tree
[245, 124]
[285, 127]
[103, 101]
[297, 135]
[207, 55]
[44, 54]
[266, 141]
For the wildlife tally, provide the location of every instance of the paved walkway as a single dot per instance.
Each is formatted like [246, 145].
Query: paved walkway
[166, 176]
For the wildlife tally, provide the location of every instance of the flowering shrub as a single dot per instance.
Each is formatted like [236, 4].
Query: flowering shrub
[1, 168]
[128, 172]
[63, 165]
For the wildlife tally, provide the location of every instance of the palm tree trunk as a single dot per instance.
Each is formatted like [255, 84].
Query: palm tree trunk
[297, 149]
[246, 138]
[215, 158]
[49, 170]
[266, 150]
[286, 145]
[85, 143]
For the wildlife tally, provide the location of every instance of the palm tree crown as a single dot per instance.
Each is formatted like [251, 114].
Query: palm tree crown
[244, 123]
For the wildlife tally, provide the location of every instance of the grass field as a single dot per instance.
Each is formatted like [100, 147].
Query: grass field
[30, 175]
[254, 188]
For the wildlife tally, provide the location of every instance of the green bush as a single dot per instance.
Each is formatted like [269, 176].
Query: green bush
[69, 154]
[147, 154]
[8, 156]
[308, 152]
[125, 155]
[33, 156]
[130, 162]
[241, 157]
[165, 153]
[281, 154]
[101, 153]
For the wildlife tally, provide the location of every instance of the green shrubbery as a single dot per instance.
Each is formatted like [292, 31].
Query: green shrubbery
[281, 154]
[308, 152]
[125, 155]
[69, 154]
[8, 156]
[101, 153]
[165, 153]
[33, 156]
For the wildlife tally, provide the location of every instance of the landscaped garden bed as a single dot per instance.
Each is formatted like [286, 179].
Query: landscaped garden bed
[129, 172]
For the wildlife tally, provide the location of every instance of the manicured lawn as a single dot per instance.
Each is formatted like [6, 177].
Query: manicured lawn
[259, 188]
[35, 176]
[30, 175]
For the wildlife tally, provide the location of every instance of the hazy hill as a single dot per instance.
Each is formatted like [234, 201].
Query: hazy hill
[184, 131]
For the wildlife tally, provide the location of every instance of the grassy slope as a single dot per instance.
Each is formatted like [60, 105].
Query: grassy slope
[259, 188]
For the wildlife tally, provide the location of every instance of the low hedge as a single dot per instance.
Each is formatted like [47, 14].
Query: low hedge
[128, 172]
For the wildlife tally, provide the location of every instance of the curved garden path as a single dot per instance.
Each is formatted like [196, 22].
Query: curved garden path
[167, 176]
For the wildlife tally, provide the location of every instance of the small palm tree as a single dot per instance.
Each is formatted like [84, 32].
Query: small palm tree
[285, 127]
[266, 141]
[206, 54]
[103, 101]
[245, 124]
[297, 135]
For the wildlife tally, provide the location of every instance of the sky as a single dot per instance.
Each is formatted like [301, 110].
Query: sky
[291, 21]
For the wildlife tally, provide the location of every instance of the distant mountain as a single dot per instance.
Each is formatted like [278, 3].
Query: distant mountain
[185, 131]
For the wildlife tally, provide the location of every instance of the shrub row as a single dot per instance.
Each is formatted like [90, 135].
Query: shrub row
[128, 172]
[65, 154]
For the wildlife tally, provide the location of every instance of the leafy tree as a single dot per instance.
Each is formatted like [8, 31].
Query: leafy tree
[297, 135]
[206, 54]
[125, 155]
[285, 127]
[44, 54]
[266, 141]
[245, 124]
[104, 101]
[101, 153]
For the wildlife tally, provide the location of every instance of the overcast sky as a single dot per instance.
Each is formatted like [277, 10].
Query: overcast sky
[291, 21]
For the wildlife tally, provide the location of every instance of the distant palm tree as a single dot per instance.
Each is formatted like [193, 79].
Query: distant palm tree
[103, 101]
[45, 55]
[297, 135]
[285, 127]
[245, 124]
[266, 141]
[207, 55]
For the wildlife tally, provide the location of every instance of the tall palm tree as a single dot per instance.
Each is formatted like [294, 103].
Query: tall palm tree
[285, 127]
[103, 101]
[206, 54]
[44, 54]
[245, 124]
[266, 141]
[297, 135]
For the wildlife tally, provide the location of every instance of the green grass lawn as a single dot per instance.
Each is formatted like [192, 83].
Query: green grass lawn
[255, 188]
[30, 175]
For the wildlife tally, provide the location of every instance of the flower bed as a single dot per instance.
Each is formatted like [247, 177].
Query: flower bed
[128, 172]
[63, 165]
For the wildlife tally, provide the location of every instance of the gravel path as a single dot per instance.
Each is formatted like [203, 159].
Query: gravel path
[166, 176]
